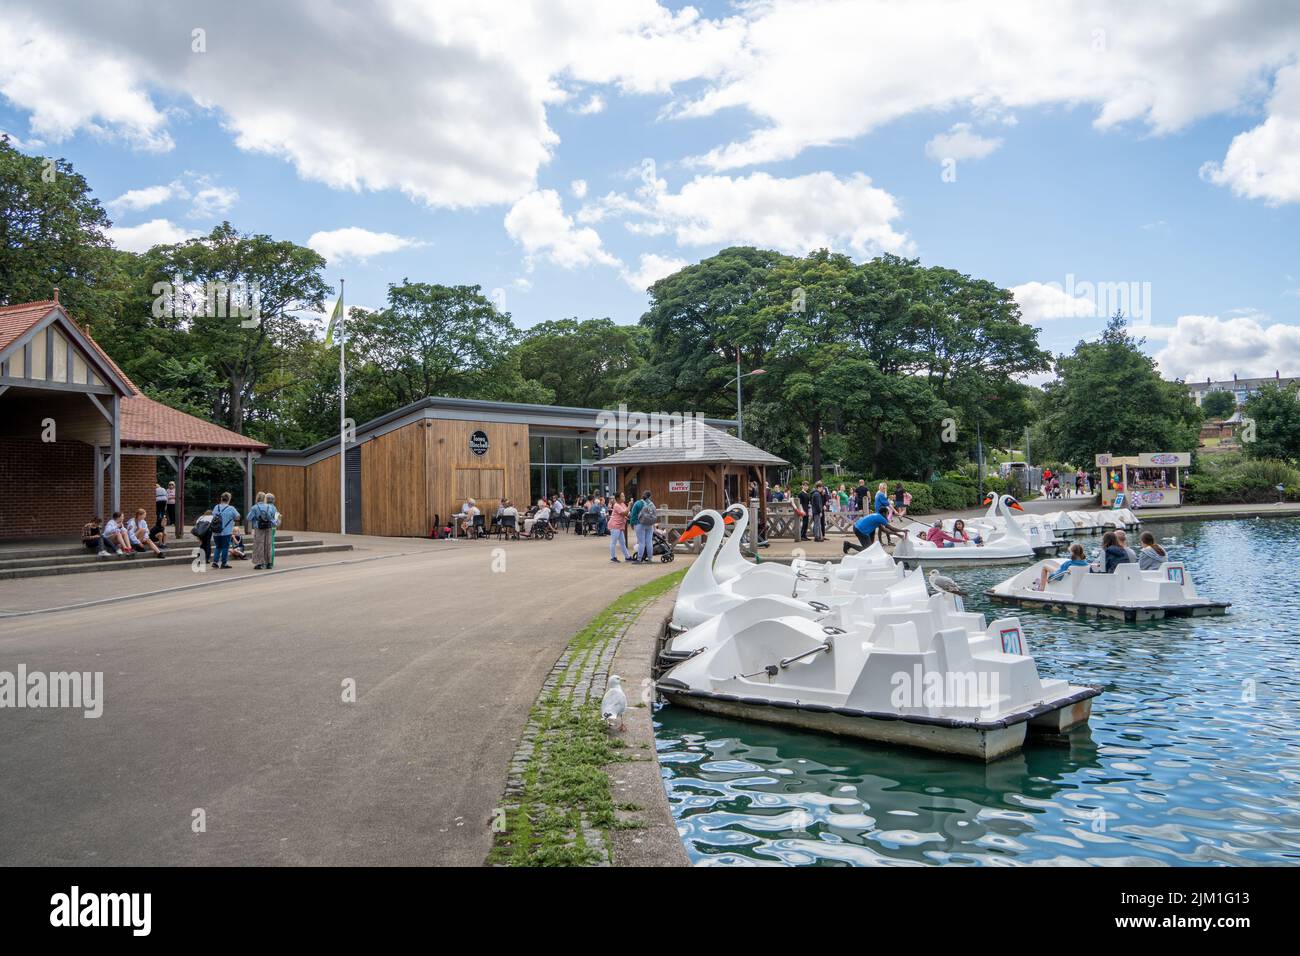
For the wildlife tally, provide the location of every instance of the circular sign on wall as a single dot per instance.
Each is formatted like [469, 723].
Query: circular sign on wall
[478, 443]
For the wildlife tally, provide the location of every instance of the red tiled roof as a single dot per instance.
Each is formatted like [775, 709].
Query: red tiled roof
[17, 319]
[144, 421]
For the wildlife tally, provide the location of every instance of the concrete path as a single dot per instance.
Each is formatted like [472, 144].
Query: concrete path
[228, 698]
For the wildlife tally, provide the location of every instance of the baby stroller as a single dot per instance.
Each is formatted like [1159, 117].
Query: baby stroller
[662, 547]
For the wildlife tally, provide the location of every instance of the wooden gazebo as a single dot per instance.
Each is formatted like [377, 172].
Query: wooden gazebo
[692, 466]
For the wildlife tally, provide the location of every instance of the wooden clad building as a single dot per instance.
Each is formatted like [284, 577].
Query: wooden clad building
[408, 471]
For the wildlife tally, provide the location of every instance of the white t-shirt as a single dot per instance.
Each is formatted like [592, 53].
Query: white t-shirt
[137, 531]
[159, 493]
[111, 528]
[543, 514]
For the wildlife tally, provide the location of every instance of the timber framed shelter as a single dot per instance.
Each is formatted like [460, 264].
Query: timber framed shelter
[409, 470]
[75, 430]
[694, 465]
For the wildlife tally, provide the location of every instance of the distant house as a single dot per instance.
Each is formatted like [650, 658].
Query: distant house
[1241, 388]
[1223, 430]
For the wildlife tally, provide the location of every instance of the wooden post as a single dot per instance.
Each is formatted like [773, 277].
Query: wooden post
[248, 487]
[98, 500]
[115, 482]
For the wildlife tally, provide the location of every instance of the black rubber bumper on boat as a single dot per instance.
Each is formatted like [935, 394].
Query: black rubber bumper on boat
[670, 686]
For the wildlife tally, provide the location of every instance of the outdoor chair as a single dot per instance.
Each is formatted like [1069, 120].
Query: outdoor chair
[590, 523]
[478, 527]
[506, 526]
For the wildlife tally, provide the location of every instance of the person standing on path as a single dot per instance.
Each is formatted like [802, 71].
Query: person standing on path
[646, 519]
[171, 505]
[224, 516]
[882, 499]
[159, 501]
[804, 503]
[618, 528]
[263, 517]
[634, 513]
[817, 511]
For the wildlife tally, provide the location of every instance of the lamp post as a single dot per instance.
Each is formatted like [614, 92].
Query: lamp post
[740, 421]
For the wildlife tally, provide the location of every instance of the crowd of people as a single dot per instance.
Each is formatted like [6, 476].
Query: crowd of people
[625, 523]
[217, 531]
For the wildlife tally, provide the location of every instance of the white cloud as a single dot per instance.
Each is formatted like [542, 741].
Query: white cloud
[1264, 162]
[595, 104]
[538, 223]
[961, 142]
[651, 269]
[795, 215]
[820, 72]
[1044, 301]
[133, 200]
[213, 201]
[355, 243]
[578, 187]
[145, 236]
[1196, 346]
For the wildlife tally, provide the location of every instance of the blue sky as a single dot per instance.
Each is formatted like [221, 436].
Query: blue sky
[1104, 144]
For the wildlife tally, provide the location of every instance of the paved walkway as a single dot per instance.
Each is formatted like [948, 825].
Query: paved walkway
[228, 698]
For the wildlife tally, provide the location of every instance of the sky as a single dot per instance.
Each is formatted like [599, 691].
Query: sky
[564, 154]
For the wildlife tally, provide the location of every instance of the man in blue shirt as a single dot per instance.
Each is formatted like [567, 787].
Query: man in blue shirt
[867, 526]
[224, 517]
[264, 517]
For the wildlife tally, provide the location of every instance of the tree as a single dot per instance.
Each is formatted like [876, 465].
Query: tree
[235, 297]
[1108, 397]
[582, 363]
[1275, 413]
[437, 340]
[52, 233]
[1218, 405]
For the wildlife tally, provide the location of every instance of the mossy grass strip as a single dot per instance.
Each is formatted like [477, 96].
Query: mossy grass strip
[562, 811]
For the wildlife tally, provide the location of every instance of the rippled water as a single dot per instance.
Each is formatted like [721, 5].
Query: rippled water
[1192, 756]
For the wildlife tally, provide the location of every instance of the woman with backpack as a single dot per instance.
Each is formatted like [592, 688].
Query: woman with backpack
[203, 534]
[646, 517]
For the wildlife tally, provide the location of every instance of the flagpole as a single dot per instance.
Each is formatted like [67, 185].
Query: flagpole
[343, 398]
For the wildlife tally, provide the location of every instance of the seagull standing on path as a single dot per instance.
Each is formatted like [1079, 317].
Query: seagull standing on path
[614, 703]
[941, 583]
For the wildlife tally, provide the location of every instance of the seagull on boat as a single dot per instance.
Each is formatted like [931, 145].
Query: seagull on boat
[943, 583]
[614, 703]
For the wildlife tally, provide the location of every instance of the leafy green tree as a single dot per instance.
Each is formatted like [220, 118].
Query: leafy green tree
[235, 297]
[583, 363]
[436, 340]
[1108, 397]
[1275, 413]
[1218, 405]
[52, 233]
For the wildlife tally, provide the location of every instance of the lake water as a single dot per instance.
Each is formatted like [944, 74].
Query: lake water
[1192, 756]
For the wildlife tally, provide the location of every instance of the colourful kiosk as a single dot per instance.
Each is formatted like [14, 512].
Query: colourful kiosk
[1143, 481]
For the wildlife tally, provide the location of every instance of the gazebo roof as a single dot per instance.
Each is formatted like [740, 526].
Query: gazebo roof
[691, 441]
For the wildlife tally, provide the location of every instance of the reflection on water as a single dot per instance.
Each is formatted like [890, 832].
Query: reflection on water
[1192, 756]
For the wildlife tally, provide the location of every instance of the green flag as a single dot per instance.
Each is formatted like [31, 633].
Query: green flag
[334, 317]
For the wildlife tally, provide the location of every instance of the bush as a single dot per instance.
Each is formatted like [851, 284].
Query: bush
[1241, 482]
[951, 495]
[922, 499]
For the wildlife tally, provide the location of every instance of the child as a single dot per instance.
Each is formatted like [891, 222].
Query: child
[1057, 572]
[1152, 555]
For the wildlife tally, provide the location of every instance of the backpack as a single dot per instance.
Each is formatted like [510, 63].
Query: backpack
[264, 522]
[648, 514]
[202, 527]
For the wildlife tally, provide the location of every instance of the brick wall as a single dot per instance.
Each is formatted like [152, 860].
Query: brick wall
[46, 488]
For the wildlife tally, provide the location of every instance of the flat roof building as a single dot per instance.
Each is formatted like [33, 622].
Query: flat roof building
[1243, 389]
[408, 471]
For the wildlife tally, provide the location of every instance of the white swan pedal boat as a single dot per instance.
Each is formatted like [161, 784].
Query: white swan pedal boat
[913, 677]
[1040, 532]
[1128, 593]
[1003, 546]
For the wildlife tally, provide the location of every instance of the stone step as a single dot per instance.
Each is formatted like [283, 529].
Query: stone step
[176, 556]
[82, 556]
[59, 551]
